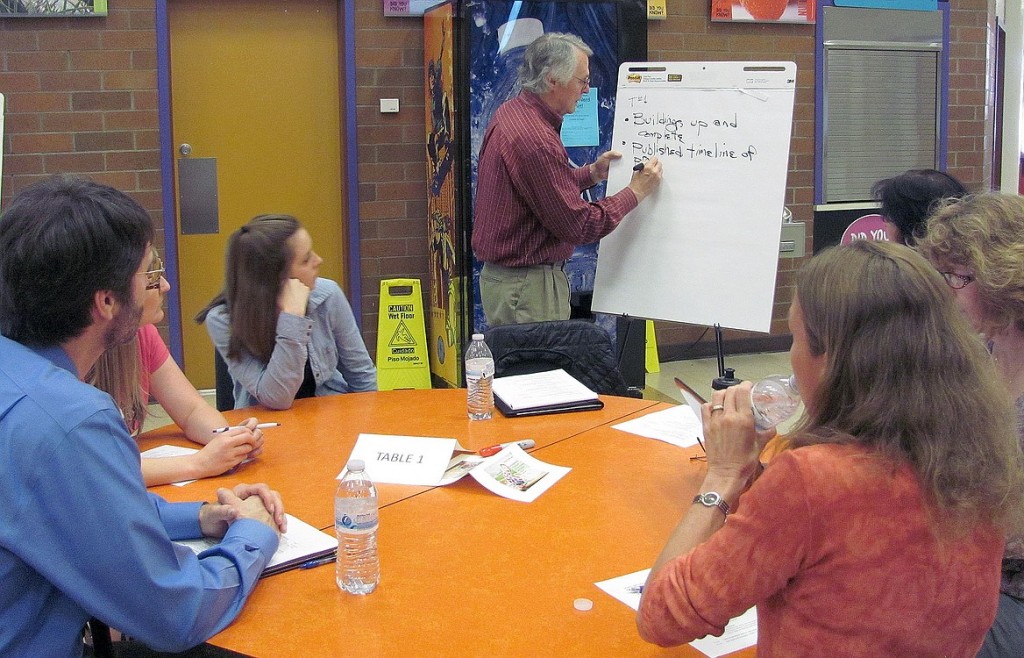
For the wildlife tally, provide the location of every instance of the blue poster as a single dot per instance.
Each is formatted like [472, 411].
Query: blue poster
[580, 127]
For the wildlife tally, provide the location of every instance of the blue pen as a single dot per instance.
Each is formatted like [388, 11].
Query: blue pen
[327, 559]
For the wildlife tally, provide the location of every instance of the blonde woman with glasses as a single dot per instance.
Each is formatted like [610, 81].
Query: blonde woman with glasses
[143, 367]
[978, 246]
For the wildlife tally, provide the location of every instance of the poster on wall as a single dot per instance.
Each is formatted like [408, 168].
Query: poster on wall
[55, 8]
[408, 7]
[763, 11]
[447, 318]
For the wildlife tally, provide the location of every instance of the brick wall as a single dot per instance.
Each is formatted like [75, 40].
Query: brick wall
[81, 97]
[392, 169]
[971, 93]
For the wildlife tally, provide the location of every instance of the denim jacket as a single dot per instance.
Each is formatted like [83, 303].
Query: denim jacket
[327, 333]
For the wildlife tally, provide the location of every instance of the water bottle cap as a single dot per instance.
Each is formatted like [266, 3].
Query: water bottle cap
[478, 336]
[356, 465]
[582, 604]
[785, 380]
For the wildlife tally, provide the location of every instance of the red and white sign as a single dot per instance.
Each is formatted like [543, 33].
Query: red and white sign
[868, 227]
[763, 11]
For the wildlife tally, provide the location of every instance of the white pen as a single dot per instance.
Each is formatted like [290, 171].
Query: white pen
[261, 426]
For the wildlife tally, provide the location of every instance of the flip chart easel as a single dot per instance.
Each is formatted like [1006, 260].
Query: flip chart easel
[704, 247]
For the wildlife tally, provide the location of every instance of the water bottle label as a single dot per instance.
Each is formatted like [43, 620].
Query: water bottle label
[476, 368]
[357, 522]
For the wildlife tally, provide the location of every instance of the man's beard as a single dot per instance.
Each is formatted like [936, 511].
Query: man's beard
[124, 327]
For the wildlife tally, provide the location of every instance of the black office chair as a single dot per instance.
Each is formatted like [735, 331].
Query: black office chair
[99, 633]
[581, 348]
[225, 385]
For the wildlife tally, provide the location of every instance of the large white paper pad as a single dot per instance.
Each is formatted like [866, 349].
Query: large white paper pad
[721, 131]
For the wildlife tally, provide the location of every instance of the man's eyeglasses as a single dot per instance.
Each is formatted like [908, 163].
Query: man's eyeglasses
[583, 81]
[154, 274]
[956, 281]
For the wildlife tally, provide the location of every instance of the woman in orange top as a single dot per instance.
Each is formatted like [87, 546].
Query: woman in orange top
[879, 531]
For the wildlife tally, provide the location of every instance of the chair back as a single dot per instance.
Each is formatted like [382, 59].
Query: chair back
[224, 383]
[581, 348]
[102, 644]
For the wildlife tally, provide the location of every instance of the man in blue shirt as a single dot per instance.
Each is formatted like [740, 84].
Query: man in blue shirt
[79, 535]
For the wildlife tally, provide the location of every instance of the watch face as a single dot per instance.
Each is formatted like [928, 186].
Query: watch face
[710, 499]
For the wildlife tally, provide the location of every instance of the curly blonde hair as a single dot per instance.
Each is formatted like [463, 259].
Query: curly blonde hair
[984, 234]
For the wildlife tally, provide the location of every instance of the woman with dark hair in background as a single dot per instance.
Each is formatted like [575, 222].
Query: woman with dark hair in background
[284, 332]
[908, 199]
[879, 530]
[978, 246]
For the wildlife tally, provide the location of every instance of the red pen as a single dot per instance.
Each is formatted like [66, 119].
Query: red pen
[525, 444]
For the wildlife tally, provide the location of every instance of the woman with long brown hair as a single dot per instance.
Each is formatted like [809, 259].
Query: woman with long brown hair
[284, 332]
[879, 530]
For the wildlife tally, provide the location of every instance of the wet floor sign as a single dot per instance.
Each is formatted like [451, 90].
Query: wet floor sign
[402, 360]
[651, 359]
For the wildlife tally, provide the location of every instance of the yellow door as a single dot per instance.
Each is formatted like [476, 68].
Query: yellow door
[255, 89]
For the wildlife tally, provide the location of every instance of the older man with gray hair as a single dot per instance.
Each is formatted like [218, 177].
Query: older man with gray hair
[529, 213]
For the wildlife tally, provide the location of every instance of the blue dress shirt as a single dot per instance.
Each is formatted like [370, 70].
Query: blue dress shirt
[81, 537]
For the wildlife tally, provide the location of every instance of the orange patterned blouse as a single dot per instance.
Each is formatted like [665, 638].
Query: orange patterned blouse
[833, 545]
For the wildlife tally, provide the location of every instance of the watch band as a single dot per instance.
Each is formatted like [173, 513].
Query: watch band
[712, 499]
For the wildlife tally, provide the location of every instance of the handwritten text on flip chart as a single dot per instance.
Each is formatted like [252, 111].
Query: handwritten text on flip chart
[690, 136]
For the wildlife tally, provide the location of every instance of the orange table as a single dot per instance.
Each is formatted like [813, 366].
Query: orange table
[468, 573]
[302, 457]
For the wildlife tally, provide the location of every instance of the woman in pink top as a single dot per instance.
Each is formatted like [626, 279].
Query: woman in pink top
[131, 372]
[879, 531]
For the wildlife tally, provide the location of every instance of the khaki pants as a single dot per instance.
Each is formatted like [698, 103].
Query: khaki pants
[517, 295]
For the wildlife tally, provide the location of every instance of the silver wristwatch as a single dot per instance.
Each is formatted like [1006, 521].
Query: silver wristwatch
[712, 499]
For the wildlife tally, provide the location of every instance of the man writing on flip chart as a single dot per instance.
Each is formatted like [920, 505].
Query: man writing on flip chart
[529, 214]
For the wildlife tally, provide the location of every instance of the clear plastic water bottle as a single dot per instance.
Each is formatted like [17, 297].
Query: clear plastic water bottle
[479, 378]
[355, 521]
[773, 400]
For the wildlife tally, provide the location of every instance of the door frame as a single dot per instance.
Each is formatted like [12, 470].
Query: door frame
[350, 201]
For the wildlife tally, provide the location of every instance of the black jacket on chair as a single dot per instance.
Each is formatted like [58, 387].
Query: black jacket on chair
[581, 348]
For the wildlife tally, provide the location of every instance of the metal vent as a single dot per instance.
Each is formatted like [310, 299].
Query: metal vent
[882, 81]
